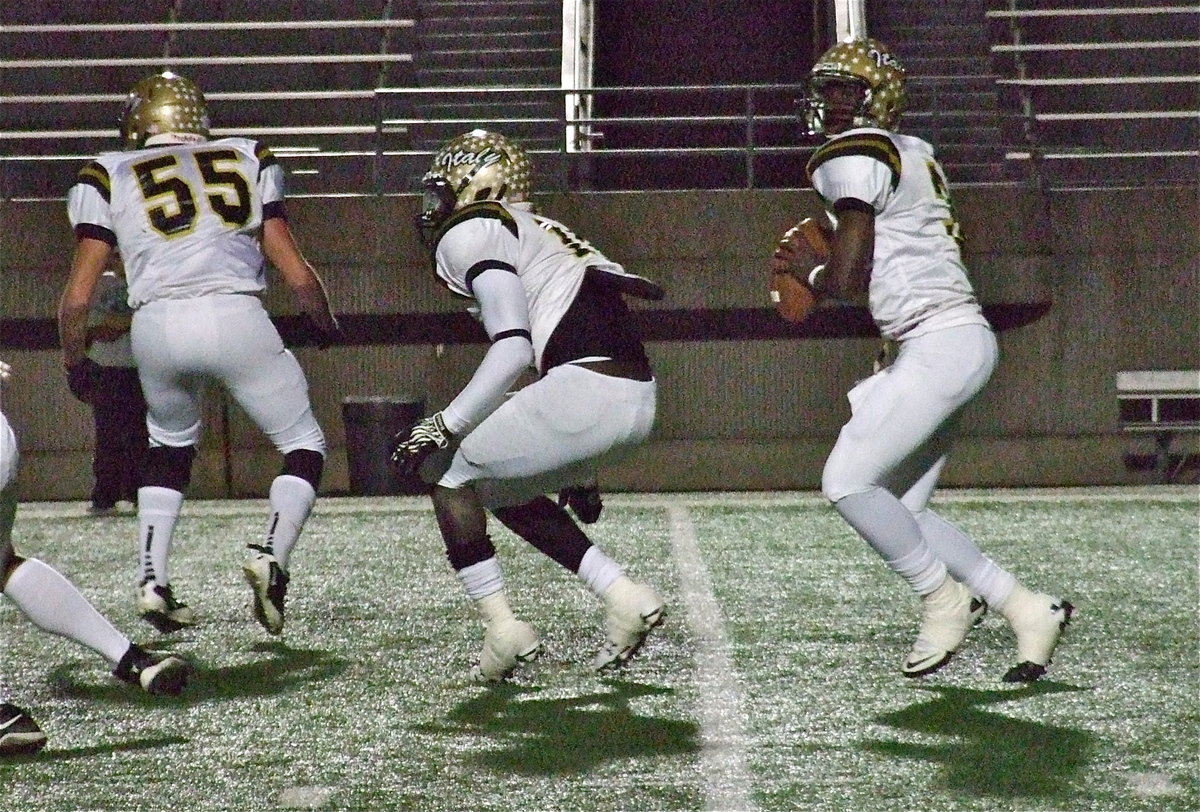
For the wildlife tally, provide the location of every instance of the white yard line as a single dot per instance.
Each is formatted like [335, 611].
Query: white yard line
[723, 755]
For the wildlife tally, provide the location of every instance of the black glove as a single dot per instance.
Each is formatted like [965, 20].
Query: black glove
[81, 379]
[583, 500]
[424, 438]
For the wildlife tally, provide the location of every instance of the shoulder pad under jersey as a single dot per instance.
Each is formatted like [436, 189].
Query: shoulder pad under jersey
[870, 144]
[484, 209]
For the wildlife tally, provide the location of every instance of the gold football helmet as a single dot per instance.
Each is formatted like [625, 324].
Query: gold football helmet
[475, 166]
[871, 66]
[163, 103]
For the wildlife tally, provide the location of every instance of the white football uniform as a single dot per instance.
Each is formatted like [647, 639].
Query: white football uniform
[918, 280]
[559, 430]
[903, 416]
[8, 453]
[186, 220]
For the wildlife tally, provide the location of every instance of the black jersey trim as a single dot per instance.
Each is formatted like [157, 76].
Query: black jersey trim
[870, 145]
[852, 204]
[92, 231]
[486, 265]
[96, 176]
[518, 333]
[274, 209]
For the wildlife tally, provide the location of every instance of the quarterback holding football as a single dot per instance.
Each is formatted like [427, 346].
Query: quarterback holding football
[896, 241]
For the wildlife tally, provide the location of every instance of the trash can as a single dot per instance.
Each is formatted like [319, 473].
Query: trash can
[371, 426]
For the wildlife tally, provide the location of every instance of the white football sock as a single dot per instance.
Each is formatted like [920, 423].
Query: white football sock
[482, 579]
[598, 571]
[53, 604]
[965, 560]
[158, 510]
[292, 500]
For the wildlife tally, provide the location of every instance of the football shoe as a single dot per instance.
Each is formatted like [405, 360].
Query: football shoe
[948, 614]
[1038, 620]
[268, 582]
[157, 606]
[159, 674]
[633, 609]
[507, 643]
[19, 733]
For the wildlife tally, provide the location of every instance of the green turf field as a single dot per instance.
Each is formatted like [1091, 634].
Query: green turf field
[773, 685]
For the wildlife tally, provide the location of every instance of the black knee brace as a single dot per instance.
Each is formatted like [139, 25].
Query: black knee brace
[549, 528]
[306, 464]
[169, 466]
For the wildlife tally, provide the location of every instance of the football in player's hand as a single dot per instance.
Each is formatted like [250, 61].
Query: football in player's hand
[815, 235]
[802, 246]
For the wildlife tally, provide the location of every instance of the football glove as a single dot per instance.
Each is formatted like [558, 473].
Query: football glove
[583, 500]
[416, 444]
[81, 379]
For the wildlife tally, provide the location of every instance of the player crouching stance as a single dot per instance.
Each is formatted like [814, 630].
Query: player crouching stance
[896, 241]
[54, 605]
[550, 300]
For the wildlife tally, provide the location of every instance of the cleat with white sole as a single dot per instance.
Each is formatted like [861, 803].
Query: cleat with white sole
[157, 606]
[507, 644]
[268, 582]
[158, 674]
[948, 614]
[633, 610]
[19, 733]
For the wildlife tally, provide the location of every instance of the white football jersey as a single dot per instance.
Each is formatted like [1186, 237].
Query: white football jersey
[918, 280]
[185, 217]
[548, 257]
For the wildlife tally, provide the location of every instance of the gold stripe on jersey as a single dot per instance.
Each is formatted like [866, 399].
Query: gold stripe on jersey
[96, 176]
[488, 209]
[265, 157]
[870, 145]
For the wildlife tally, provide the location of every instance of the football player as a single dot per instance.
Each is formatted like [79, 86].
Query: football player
[550, 301]
[896, 242]
[192, 219]
[54, 605]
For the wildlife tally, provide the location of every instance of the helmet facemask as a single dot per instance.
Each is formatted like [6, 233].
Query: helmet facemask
[818, 104]
[165, 104]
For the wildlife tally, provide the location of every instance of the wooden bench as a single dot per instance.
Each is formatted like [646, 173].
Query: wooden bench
[1162, 403]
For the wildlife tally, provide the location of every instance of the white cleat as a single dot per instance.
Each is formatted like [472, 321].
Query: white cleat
[633, 610]
[1038, 620]
[948, 614]
[507, 644]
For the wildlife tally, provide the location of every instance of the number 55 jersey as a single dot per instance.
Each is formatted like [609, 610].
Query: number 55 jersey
[185, 217]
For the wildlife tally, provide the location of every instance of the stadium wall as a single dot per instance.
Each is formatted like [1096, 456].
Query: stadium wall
[1120, 269]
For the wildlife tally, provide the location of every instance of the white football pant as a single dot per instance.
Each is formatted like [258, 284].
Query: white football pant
[554, 433]
[181, 344]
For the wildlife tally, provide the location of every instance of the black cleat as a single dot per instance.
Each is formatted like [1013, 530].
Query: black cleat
[19, 734]
[158, 674]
